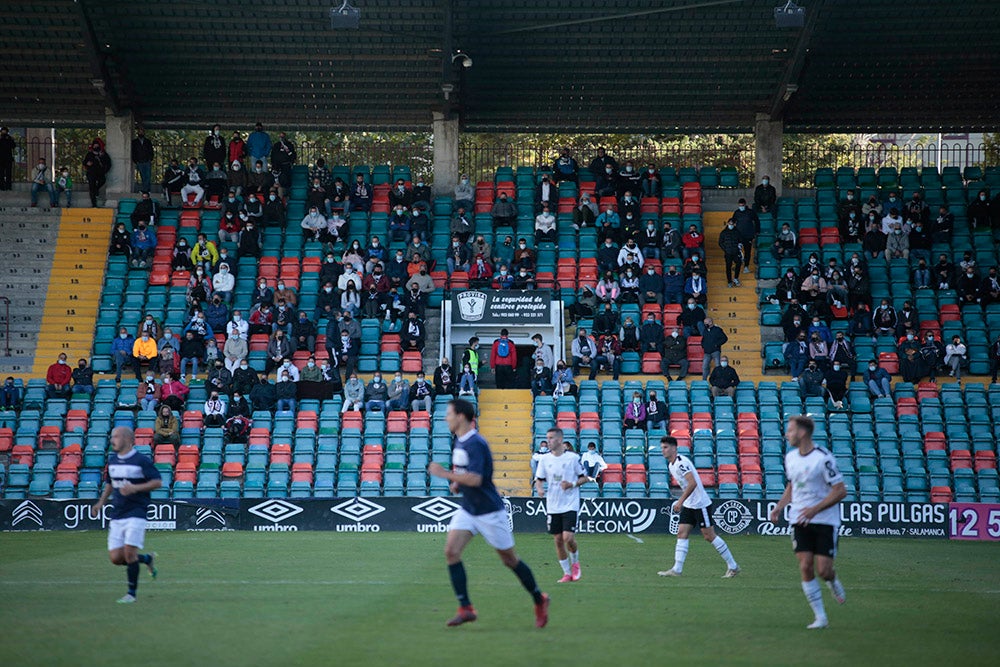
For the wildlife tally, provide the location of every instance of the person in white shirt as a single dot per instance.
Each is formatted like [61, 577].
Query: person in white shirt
[215, 411]
[543, 449]
[815, 489]
[593, 462]
[695, 508]
[558, 479]
[545, 226]
[288, 367]
[223, 283]
[954, 356]
[237, 326]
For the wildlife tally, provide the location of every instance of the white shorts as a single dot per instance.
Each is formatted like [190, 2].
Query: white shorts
[494, 527]
[131, 532]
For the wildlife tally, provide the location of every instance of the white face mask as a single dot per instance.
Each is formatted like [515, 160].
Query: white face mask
[723, 363]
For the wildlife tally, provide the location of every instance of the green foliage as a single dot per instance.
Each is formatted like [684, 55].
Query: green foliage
[991, 140]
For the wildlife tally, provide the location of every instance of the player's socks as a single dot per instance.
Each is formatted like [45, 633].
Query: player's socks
[680, 555]
[837, 589]
[814, 594]
[145, 559]
[133, 577]
[459, 583]
[574, 557]
[723, 549]
[564, 564]
[523, 573]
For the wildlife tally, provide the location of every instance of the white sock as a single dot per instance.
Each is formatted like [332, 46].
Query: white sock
[564, 564]
[680, 554]
[835, 586]
[723, 549]
[574, 557]
[814, 594]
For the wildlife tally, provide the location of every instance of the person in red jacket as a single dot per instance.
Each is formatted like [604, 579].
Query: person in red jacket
[58, 378]
[503, 359]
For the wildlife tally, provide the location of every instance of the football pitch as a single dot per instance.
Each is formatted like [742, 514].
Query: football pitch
[382, 599]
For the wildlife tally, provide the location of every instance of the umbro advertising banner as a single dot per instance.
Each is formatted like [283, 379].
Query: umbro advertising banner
[526, 515]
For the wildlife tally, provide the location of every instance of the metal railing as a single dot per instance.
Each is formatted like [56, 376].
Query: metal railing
[6, 325]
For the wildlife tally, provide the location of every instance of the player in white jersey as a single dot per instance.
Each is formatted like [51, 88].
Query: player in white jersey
[563, 475]
[695, 508]
[815, 489]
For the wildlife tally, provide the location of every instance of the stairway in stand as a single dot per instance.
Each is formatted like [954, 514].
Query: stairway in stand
[74, 295]
[733, 308]
[505, 422]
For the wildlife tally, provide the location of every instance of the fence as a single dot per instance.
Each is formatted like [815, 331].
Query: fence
[480, 161]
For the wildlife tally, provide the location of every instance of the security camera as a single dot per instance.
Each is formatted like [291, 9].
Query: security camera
[462, 58]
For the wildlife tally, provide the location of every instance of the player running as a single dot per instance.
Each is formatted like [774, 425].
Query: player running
[482, 513]
[564, 475]
[696, 511]
[815, 489]
[129, 478]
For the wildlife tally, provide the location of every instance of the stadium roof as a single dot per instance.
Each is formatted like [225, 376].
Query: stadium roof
[574, 65]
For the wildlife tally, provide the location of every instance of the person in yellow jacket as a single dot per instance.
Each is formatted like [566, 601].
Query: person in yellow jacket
[205, 254]
[144, 351]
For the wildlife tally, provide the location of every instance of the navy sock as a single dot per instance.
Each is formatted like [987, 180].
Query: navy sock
[133, 577]
[523, 573]
[458, 582]
[145, 559]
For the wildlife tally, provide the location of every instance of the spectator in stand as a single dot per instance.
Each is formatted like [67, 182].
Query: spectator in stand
[673, 285]
[143, 244]
[650, 182]
[144, 351]
[695, 263]
[399, 393]
[279, 348]
[897, 245]
[481, 272]
[692, 318]
[503, 360]
[609, 356]
[608, 225]
[344, 350]
[445, 379]
[399, 224]
[204, 253]
[608, 290]
[907, 318]
[121, 242]
[541, 379]
[812, 382]
[593, 462]
[414, 334]
[955, 356]
[585, 213]
[192, 352]
[244, 379]
[670, 242]
[651, 287]
[628, 179]
[852, 227]
[285, 391]
[230, 226]
[584, 350]
[651, 335]
[421, 196]
[944, 225]
[361, 195]
[675, 354]
[523, 280]
[304, 333]
[283, 157]
[421, 394]
[712, 340]
[565, 168]
[237, 178]
[219, 377]
[461, 225]
[174, 392]
[606, 320]
[796, 353]
[467, 385]
[258, 145]
[765, 197]
[465, 194]
[41, 179]
[545, 226]
[748, 226]
[83, 378]
[990, 289]
[350, 299]
[692, 242]
[459, 255]
[311, 372]
[214, 411]
[264, 395]
[819, 351]
[354, 394]
[656, 412]
[911, 367]
[313, 224]
[214, 148]
[524, 257]
[628, 335]
[733, 248]
[96, 165]
[649, 241]
[877, 380]
[216, 184]
[785, 243]
[695, 288]
[338, 196]
[64, 183]
[274, 210]
[147, 393]
[166, 430]
[400, 195]
[635, 413]
[546, 194]
[503, 279]
[121, 352]
[376, 394]
[602, 161]
[724, 379]
[562, 381]
[884, 319]
[174, 179]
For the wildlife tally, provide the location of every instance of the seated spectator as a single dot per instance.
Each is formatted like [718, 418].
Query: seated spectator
[461, 225]
[796, 353]
[504, 212]
[399, 393]
[219, 378]
[562, 381]
[83, 378]
[812, 381]
[692, 242]
[545, 226]
[724, 379]
[174, 179]
[565, 167]
[607, 256]
[608, 290]
[194, 182]
[214, 411]
[287, 366]
[121, 353]
[169, 352]
[192, 352]
[41, 179]
[503, 279]
[147, 393]
[635, 412]
[142, 244]
[955, 356]
[399, 224]
[884, 319]
[421, 394]
[274, 210]
[480, 272]
[874, 241]
[264, 395]
[606, 321]
[877, 380]
[692, 318]
[696, 288]
[445, 380]
[897, 244]
[656, 412]
[464, 193]
[285, 391]
[785, 244]
[311, 372]
[313, 225]
[350, 299]
[524, 257]
[546, 194]
[238, 406]
[585, 213]
[467, 385]
[593, 462]
[459, 255]
[10, 395]
[628, 334]
[609, 225]
[696, 264]
[675, 354]
[361, 195]
[673, 285]
[649, 241]
[376, 394]
[541, 379]
[584, 350]
[166, 430]
[523, 279]
[414, 334]
[609, 356]
[121, 242]
[304, 334]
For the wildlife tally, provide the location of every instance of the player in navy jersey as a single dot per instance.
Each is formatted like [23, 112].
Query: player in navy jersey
[482, 513]
[128, 480]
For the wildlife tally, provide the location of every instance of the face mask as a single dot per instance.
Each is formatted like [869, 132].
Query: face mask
[674, 334]
[723, 363]
[691, 306]
[272, 197]
[982, 197]
[731, 226]
[123, 335]
[465, 181]
[608, 170]
[765, 181]
[871, 368]
[523, 274]
[522, 246]
[743, 208]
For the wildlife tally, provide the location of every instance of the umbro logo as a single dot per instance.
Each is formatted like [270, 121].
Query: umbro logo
[357, 509]
[26, 511]
[275, 510]
[436, 509]
[204, 514]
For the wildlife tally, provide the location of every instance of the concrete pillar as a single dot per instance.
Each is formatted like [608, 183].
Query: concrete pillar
[768, 135]
[445, 130]
[119, 146]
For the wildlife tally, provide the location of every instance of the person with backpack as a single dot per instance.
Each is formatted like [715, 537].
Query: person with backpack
[503, 359]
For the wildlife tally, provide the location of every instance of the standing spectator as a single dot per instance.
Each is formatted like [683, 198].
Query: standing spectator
[712, 340]
[96, 164]
[764, 196]
[541, 379]
[83, 378]
[955, 357]
[877, 380]
[214, 148]
[546, 193]
[399, 393]
[565, 167]
[748, 226]
[732, 246]
[603, 161]
[7, 148]
[10, 394]
[166, 430]
[237, 150]
[421, 394]
[142, 158]
[503, 360]
[724, 379]
[635, 412]
[445, 380]
[543, 352]
[42, 180]
[285, 391]
[258, 145]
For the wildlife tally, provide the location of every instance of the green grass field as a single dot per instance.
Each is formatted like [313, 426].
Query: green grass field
[325, 598]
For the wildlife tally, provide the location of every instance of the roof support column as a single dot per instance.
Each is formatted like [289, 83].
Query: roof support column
[121, 178]
[768, 135]
[445, 131]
